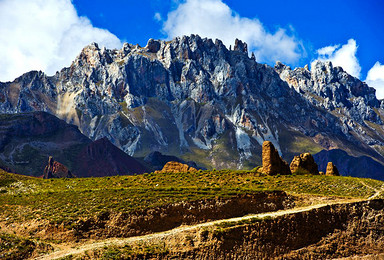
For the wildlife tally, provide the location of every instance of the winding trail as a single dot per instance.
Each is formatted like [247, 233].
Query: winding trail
[161, 235]
[377, 191]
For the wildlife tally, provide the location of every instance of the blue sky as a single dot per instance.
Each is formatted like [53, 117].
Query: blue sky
[317, 23]
[48, 34]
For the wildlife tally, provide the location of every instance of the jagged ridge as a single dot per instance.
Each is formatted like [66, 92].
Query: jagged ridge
[194, 98]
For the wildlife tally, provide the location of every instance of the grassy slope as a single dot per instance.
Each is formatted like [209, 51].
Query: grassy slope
[66, 200]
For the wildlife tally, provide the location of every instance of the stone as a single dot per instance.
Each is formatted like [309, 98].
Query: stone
[332, 170]
[176, 167]
[304, 164]
[272, 162]
[153, 45]
[56, 170]
[240, 46]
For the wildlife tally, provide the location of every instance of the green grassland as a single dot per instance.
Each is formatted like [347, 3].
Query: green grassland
[66, 200]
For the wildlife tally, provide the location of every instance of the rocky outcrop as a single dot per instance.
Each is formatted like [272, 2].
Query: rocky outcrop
[272, 162]
[56, 170]
[332, 170]
[331, 88]
[304, 164]
[176, 167]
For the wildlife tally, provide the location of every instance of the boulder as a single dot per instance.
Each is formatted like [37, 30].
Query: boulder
[304, 164]
[272, 162]
[56, 170]
[176, 167]
[332, 170]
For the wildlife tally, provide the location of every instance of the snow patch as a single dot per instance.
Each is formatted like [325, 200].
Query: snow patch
[200, 144]
[130, 148]
[243, 142]
[179, 125]
[154, 128]
[267, 135]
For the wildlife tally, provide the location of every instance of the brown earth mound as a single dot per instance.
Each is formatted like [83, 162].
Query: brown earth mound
[175, 167]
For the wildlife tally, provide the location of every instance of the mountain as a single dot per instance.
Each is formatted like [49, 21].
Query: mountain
[362, 166]
[102, 158]
[195, 99]
[28, 139]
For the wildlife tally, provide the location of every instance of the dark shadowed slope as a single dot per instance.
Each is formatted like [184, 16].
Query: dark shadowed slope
[347, 165]
[28, 139]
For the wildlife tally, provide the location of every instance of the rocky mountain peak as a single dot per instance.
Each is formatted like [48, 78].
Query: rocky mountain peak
[192, 97]
[240, 46]
[333, 89]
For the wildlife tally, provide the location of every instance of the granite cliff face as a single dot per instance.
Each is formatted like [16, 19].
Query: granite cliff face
[334, 90]
[194, 98]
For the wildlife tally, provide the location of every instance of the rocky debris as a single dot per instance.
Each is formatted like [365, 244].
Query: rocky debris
[272, 162]
[304, 164]
[56, 170]
[332, 170]
[176, 167]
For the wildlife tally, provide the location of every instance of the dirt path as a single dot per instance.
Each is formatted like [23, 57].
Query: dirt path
[155, 236]
[377, 191]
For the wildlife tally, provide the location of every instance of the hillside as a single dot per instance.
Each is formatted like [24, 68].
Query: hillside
[361, 166]
[195, 99]
[28, 139]
[47, 212]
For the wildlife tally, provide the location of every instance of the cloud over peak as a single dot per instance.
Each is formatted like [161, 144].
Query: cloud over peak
[375, 78]
[214, 19]
[343, 56]
[44, 35]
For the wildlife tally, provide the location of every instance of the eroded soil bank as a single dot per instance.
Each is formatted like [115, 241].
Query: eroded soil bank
[334, 231]
[120, 224]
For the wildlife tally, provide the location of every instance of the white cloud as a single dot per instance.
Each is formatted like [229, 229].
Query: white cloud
[44, 35]
[214, 19]
[157, 17]
[375, 78]
[343, 56]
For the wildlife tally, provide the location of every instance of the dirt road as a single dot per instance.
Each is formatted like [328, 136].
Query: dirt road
[155, 236]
